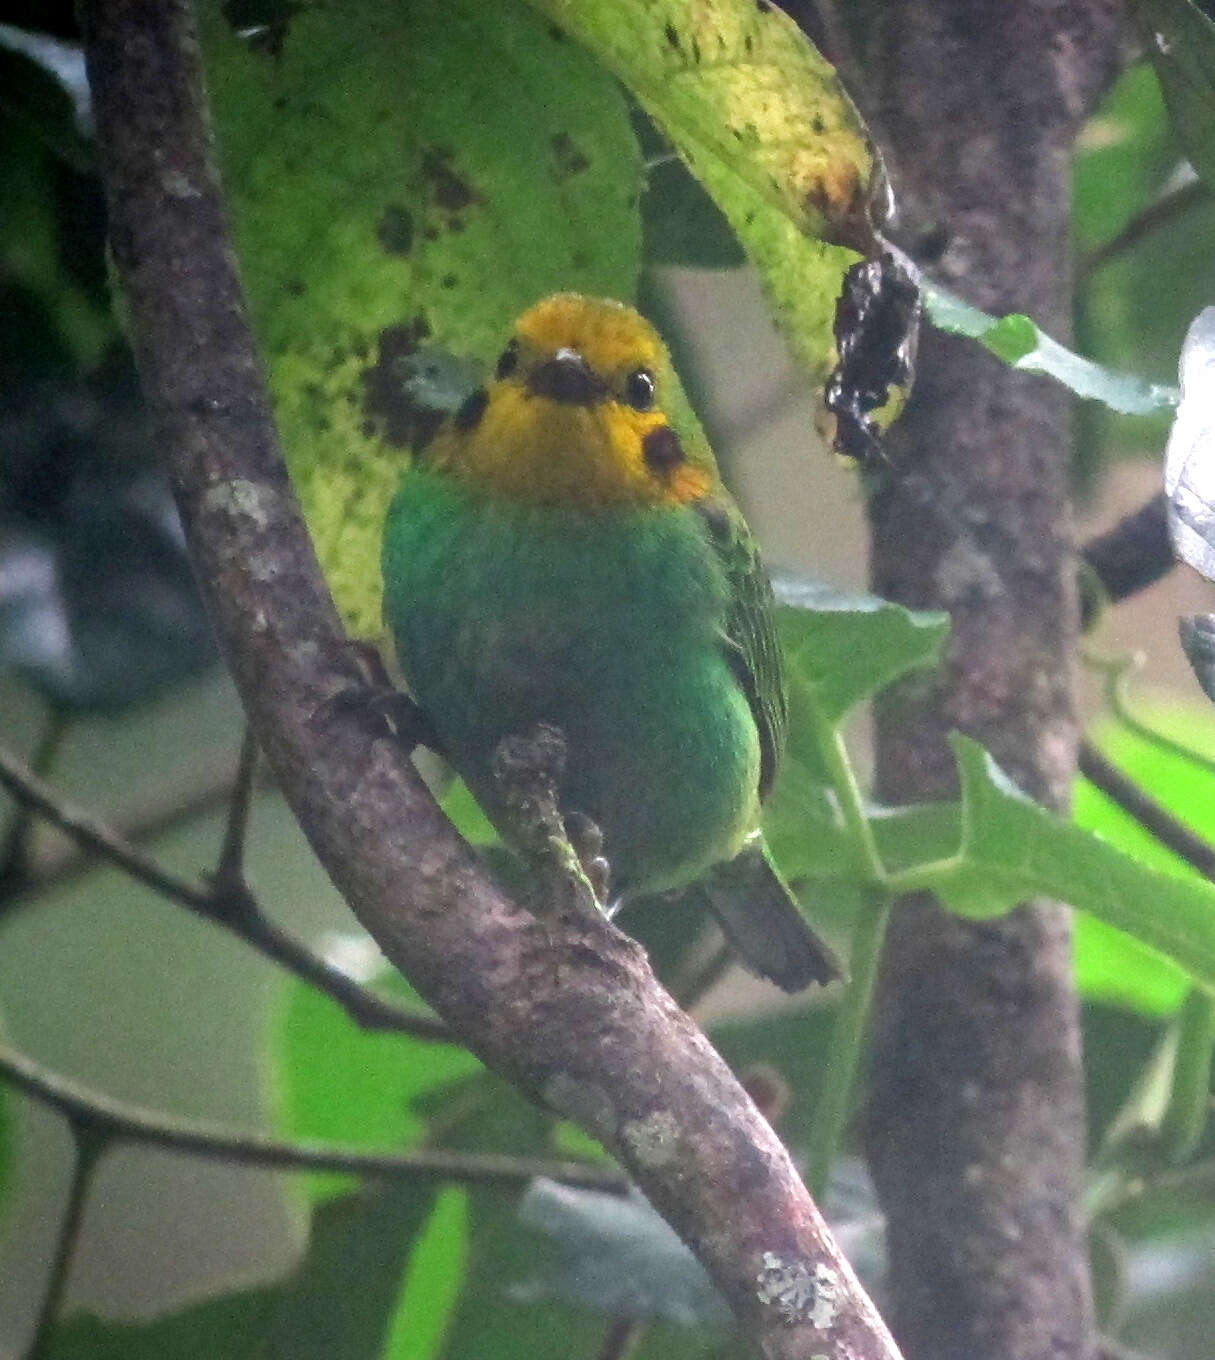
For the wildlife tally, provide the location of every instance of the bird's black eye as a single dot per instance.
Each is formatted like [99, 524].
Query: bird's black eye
[508, 360]
[639, 389]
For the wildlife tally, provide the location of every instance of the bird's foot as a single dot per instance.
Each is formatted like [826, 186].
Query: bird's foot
[370, 695]
[528, 770]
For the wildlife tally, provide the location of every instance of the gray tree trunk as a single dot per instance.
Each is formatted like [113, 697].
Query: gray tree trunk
[975, 1122]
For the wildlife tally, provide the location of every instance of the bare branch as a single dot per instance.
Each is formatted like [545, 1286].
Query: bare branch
[15, 847]
[101, 1115]
[65, 863]
[231, 868]
[88, 1146]
[569, 1009]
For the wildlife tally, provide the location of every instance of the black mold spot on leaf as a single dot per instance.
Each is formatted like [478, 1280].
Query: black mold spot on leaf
[568, 158]
[395, 230]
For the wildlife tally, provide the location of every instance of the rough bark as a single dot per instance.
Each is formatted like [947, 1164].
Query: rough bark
[974, 1125]
[569, 1008]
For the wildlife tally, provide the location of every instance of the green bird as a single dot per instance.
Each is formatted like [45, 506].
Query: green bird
[562, 553]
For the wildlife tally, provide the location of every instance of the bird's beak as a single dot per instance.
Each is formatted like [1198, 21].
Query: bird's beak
[566, 377]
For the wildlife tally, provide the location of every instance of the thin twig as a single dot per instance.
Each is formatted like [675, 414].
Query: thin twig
[94, 1111]
[15, 852]
[849, 1030]
[1167, 208]
[231, 867]
[88, 1145]
[62, 864]
[1167, 829]
[231, 906]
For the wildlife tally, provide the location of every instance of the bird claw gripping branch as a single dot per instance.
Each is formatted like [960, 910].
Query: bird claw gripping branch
[528, 771]
[372, 697]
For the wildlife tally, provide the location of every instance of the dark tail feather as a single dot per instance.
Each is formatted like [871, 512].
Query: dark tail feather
[764, 924]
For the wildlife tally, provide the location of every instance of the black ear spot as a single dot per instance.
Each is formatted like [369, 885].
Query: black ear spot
[468, 417]
[662, 450]
[508, 360]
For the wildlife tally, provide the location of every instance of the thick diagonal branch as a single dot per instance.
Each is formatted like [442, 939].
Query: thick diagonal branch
[569, 1010]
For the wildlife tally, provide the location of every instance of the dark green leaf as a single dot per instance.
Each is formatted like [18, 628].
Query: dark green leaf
[844, 648]
[683, 226]
[337, 1305]
[1180, 39]
[43, 89]
[616, 1255]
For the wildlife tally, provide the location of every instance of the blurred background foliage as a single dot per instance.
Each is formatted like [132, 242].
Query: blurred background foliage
[109, 686]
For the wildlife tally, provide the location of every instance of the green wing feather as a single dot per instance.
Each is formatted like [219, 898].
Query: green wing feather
[750, 631]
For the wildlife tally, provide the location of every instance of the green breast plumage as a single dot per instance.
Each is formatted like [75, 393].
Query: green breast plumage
[615, 625]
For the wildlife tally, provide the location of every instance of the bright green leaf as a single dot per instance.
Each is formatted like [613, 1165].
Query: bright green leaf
[1180, 38]
[1018, 341]
[332, 1080]
[432, 1282]
[339, 1304]
[1114, 967]
[840, 649]
[737, 85]
[1111, 965]
[402, 175]
[1013, 850]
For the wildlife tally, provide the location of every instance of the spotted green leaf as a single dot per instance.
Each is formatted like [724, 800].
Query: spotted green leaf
[763, 122]
[406, 175]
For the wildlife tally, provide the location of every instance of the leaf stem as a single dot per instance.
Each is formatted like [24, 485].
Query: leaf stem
[1189, 1107]
[1152, 816]
[851, 801]
[847, 1037]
